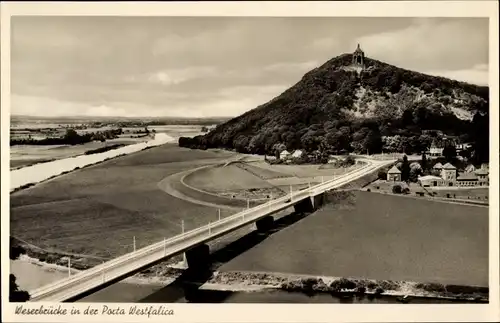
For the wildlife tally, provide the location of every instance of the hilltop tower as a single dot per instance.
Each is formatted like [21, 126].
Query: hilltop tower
[358, 58]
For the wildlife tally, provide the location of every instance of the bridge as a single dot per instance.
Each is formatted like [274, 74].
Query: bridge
[193, 243]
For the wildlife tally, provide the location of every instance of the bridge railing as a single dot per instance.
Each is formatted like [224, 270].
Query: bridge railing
[153, 247]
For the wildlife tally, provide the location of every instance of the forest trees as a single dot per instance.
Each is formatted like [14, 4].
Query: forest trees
[450, 153]
[405, 169]
[480, 134]
[367, 140]
[423, 163]
[322, 113]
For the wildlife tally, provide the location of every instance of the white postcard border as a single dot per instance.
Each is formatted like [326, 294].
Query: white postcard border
[265, 312]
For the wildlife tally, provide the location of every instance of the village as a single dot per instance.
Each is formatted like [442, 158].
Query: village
[433, 173]
[436, 178]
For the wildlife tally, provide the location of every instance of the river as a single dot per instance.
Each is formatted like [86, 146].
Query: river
[43, 171]
[31, 276]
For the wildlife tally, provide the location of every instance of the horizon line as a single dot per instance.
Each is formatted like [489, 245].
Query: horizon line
[120, 117]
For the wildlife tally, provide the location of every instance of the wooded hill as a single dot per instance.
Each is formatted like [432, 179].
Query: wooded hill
[336, 109]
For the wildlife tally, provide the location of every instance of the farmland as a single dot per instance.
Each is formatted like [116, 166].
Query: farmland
[380, 237]
[222, 178]
[99, 209]
[26, 155]
[256, 179]
[462, 193]
[302, 171]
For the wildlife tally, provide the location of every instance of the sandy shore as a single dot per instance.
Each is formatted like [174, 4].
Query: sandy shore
[256, 281]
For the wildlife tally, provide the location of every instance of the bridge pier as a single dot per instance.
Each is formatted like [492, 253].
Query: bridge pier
[310, 204]
[304, 206]
[265, 223]
[198, 257]
[318, 200]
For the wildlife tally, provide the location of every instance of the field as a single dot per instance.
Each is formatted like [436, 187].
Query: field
[386, 187]
[257, 179]
[99, 209]
[301, 171]
[261, 172]
[173, 186]
[473, 195]
[225, 178]
[379, 236]
[462, 193]
[26, 155]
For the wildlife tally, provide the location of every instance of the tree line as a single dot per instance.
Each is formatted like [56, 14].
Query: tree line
[71, 137]
[334, 137]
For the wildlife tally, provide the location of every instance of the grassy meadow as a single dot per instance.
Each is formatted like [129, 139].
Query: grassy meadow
[463, 193]
[98, 210]
[224, 178]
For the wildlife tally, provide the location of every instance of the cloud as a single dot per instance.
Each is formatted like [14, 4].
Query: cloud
[431, 44]
[177, 76]
[478, 75]
[214, 65]
[104, 111]
[291, 66]
[43, 107]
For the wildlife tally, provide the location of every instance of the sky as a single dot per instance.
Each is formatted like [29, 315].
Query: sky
[214, 66]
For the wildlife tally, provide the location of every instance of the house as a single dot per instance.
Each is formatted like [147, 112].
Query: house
[449, 177]
[430, 180]
[438, 167]
[467, 179]
[482, 177]
[449, 174]
[297, 154]
[436, 149]
[284, 154]
[394, 174]
[332, 159]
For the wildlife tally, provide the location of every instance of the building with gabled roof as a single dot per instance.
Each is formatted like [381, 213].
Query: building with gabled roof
[284, 154]
[449, 174]
[297, 154]
[467, 179]
[430, 180]
[436, 148]
[394, 174]
[448, 166]
[482, 176]
[438, 166]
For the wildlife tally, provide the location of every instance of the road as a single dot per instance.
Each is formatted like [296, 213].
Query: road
[119, 268]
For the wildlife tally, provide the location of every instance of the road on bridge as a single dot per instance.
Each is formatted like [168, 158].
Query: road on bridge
[119, 268]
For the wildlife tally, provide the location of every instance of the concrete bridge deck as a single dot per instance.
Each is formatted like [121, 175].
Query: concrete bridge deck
[192, 242]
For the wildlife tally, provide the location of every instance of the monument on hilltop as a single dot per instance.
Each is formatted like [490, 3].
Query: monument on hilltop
[358, 58]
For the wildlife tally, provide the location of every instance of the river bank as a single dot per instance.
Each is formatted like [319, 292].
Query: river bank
[345, 286]
[27, 268]
[31, 175]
